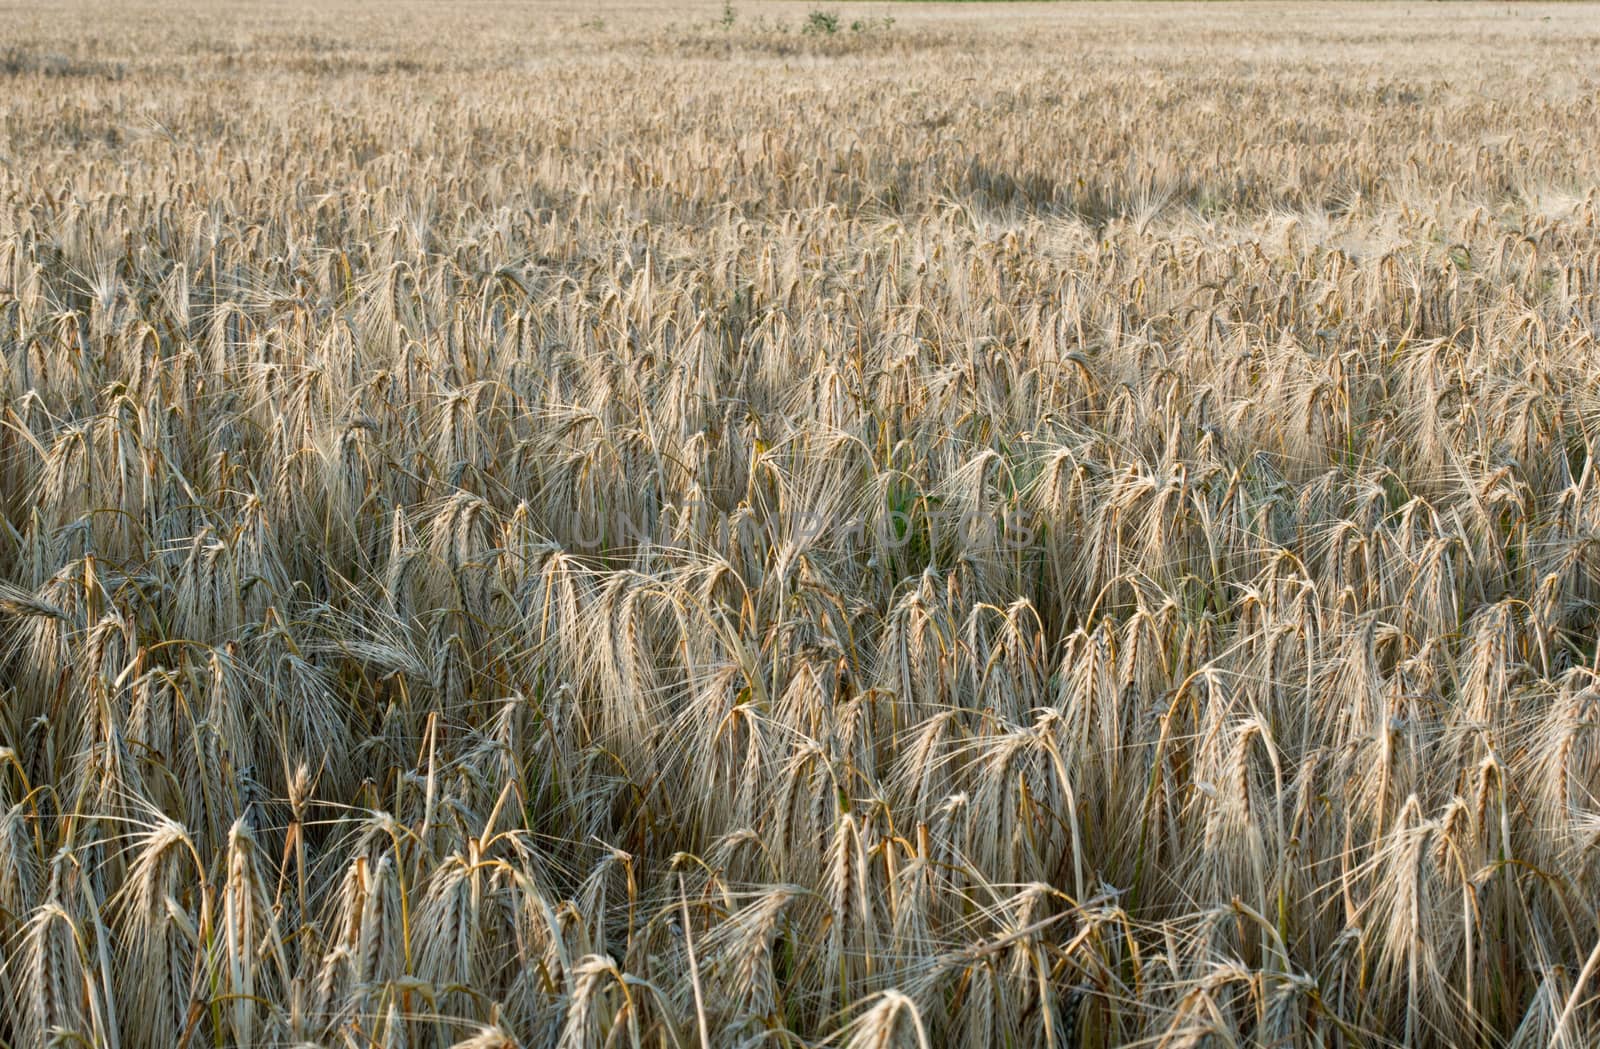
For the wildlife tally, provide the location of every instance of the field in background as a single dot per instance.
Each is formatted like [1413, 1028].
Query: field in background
[613, 525]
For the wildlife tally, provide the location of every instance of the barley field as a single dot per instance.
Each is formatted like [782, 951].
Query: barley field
[882, 525]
